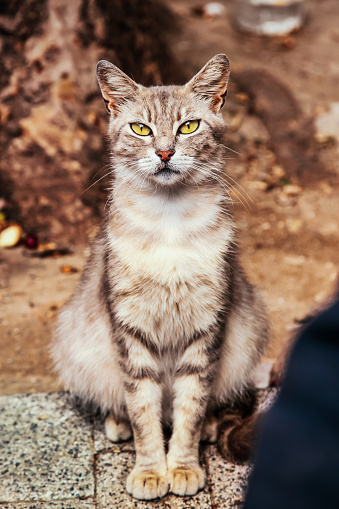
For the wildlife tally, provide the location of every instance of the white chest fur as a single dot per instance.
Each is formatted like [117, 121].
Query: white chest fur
[169, 280]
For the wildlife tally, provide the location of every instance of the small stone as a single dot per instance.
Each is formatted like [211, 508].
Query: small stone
[266, 226]
[294, 225]
[210, 9]
[72, 165]
[47, 246]
[242, 97]
[44, 201]
[277, 171]
[292, 190]
[258, 184]
[10, 236]
[327, 124]
[295, 260]
[214, 9]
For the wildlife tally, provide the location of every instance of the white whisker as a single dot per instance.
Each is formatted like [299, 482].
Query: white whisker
[89, 187]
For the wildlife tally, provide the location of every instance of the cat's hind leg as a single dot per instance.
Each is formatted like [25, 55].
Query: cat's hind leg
[209, 432]
[117, 430]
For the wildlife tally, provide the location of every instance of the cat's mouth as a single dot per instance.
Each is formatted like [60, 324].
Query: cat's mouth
[166, 171]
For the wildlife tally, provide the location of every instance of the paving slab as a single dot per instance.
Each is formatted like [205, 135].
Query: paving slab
[70, 504]
[46, 450]
[227, 482]
[55, 455]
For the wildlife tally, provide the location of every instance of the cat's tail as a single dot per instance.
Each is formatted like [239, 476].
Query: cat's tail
[237, 428]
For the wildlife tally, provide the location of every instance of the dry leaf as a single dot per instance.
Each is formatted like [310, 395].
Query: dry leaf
[68, 269]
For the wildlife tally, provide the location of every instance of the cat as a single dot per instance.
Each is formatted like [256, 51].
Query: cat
[164, 326]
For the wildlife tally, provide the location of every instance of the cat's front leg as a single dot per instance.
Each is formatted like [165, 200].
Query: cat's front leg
[143, 393]
[191, 391]
[148, 477]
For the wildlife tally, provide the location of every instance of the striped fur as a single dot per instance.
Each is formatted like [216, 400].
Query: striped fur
[163, 324]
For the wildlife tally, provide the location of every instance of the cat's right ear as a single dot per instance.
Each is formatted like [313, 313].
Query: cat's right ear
[211, 82]
[116, 87]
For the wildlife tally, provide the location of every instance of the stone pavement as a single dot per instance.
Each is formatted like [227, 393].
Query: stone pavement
[54, 455]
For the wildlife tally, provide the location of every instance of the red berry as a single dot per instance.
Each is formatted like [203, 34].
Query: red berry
[31, 241]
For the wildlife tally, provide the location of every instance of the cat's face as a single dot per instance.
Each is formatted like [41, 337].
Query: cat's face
[165, 136]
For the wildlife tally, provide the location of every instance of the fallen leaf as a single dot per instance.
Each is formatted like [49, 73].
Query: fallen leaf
[68, 269]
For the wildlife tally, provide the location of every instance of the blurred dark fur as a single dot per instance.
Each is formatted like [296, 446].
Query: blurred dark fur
[237, 427]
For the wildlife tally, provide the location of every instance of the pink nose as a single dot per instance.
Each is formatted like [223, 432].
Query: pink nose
[165, 155]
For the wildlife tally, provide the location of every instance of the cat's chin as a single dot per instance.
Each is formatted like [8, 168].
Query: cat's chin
[166, 176]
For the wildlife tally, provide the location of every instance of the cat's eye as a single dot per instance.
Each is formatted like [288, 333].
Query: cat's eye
[189, 127]
[141, 129]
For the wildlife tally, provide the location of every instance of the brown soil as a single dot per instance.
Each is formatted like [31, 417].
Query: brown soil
[289, 235]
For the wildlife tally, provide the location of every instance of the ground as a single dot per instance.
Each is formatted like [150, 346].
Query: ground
[85, 470]
[287, 224]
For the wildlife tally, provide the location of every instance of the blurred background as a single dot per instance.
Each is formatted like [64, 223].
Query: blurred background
[282, 112]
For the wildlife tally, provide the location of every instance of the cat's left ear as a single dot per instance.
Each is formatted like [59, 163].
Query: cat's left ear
[211, 82]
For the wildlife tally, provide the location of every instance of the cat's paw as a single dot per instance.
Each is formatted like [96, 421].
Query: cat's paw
[209, 432]
[117, 431]
[146, 484]
[186, 481]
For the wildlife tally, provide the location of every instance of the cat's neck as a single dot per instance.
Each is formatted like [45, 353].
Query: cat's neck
[171, 216]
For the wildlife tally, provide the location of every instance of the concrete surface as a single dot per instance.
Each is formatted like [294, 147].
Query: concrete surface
[54, 455]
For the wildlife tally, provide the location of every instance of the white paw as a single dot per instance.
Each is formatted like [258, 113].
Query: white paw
[117, 431]
[186, 480]
[146, 484]
[209, 432]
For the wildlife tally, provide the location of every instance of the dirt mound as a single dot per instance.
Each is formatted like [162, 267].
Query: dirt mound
[52, 115]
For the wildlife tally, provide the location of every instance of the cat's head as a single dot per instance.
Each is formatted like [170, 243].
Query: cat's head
[166, 135]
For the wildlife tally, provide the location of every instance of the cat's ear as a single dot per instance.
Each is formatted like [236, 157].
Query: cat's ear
[211, 82]
[116, 87]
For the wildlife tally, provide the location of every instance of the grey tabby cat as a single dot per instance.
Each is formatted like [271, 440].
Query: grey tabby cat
[163, 327]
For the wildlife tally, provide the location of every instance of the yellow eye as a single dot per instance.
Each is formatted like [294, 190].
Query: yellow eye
[141, 129]
[189, 127]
